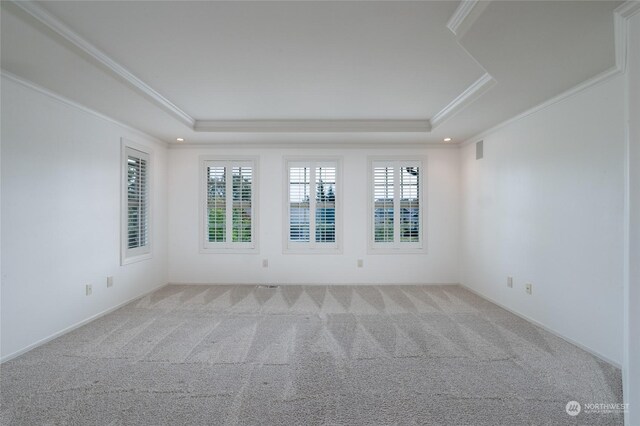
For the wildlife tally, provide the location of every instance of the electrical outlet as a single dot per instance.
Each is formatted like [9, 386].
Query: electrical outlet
[109, 282]
[360, 263]
[265, 263]
[89, 289]
[528, 288]
[510, 282]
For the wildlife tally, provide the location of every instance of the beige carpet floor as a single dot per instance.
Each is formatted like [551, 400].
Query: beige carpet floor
[307, 355]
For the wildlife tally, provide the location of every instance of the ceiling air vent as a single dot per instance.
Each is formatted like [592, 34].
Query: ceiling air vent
[479, 150]
[268, 286]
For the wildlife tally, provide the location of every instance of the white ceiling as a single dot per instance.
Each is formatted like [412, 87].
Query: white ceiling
[310, 61]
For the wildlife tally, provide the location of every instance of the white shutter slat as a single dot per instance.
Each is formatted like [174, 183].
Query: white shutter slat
[137, 201]
[312, 204]
[383, 198]
[229, 204]
[241, 207]
[325, 208]
[216, 203]
[396, 212]
[409, 204]
[299, 200]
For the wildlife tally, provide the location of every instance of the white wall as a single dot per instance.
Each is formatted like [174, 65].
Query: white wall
[545, 206]
[61, 217]
[632, 302]
[438, 265]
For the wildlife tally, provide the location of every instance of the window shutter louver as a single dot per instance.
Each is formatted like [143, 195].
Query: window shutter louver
[217, 203]
[229, 208]
[312, 204]
[136, 239]
[396, 211]
[409, 204]
[383, 193]
[325, 204]
[299, 203]
[242, 204]
[137, 202]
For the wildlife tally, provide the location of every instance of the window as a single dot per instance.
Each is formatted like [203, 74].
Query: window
[229, 205]
[136, 244]
[312, 201]
[396, 214]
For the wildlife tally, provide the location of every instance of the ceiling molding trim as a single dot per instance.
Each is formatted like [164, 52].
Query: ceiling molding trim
[317, 147]
[462, 12]
[73, 104]
[67, 33]
[315, 126]
[473, 92]
[267, 126]
[598, 79]
[621, 16]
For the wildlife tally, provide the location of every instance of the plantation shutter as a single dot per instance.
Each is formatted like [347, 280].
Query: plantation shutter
[312, 204]
[241, 214]
[216, 203]
[396, 204]
[325, 207]
[409, 204]
[229, 206]
[137, 200]
[383, 194]
[299, 203]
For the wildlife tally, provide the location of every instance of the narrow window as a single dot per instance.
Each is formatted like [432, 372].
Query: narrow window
[136, 207]
[229, 208]
[312, 205]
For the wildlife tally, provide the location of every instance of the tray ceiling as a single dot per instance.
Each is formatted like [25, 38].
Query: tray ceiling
[356, 71]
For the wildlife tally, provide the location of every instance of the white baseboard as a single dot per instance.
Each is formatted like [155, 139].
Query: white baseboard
[546, 328]
[76, 325]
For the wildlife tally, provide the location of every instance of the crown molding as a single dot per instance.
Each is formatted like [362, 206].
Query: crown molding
[73, 104]
[600, 78]
[318, 147]
[315, 126]
[465, 15]
[74, 38]
[628, 8]
[473, 92]
[462, 12]
[621, 17]
[264, 126]
[260, 126]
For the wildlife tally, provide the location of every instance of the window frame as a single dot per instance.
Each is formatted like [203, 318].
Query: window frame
[397, 247]
[127, 255]
[312, 247]
[230, 247]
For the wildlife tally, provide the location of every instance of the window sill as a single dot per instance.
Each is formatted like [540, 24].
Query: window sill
[312, 250]
[230, 250]
[135, 259]
[386, 250]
